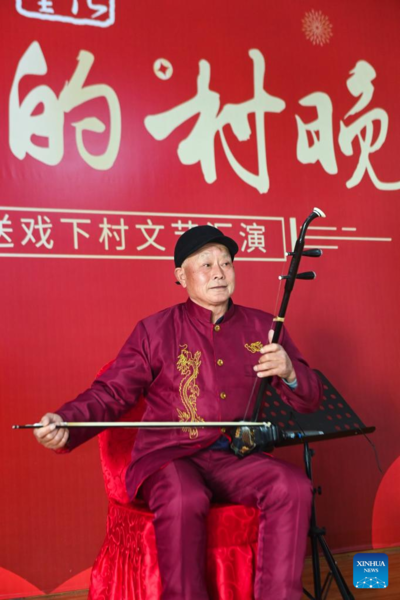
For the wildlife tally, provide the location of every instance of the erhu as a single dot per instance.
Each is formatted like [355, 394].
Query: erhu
[247, 438]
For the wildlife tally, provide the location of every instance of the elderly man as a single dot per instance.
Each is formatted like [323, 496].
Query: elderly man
[194, 362]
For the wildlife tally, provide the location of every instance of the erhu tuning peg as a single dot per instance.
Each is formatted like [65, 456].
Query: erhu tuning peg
[313, 253]
[305, 275]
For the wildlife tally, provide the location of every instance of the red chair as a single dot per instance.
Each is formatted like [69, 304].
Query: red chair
[127, 568]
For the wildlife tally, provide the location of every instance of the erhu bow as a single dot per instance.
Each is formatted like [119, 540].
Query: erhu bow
[247, 438]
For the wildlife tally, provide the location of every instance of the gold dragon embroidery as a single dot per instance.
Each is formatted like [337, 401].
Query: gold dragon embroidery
[188, 365]
[254, 347]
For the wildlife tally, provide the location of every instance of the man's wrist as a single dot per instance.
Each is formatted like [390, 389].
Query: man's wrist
[291, 384]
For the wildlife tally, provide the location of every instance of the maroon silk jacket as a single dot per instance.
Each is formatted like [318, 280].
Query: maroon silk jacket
[188, 370]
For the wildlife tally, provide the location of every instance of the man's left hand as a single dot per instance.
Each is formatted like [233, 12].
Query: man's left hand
[275, 361]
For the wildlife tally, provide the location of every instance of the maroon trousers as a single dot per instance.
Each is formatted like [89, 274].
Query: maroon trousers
[180, 495]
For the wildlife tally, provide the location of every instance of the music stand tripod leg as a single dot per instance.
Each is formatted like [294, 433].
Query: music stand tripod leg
[317, 537]
[334, 569]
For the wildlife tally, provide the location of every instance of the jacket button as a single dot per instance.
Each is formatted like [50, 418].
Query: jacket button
[223, 430]
[217, 328]
[222, 395]
[220, 362]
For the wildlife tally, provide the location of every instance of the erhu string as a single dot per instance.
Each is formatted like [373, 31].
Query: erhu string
[278, 294]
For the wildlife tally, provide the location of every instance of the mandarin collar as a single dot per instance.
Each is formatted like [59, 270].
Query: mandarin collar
[204, 315]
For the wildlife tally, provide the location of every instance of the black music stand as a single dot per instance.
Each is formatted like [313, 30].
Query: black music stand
[335, 419]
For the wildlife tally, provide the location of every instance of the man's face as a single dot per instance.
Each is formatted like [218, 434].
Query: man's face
[208, 276]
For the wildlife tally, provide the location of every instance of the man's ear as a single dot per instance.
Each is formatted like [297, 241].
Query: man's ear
[180, 276]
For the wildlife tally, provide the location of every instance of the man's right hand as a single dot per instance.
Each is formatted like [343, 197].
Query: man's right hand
[48, 435]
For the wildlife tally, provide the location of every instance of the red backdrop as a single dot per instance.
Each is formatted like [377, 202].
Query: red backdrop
[242, 115]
